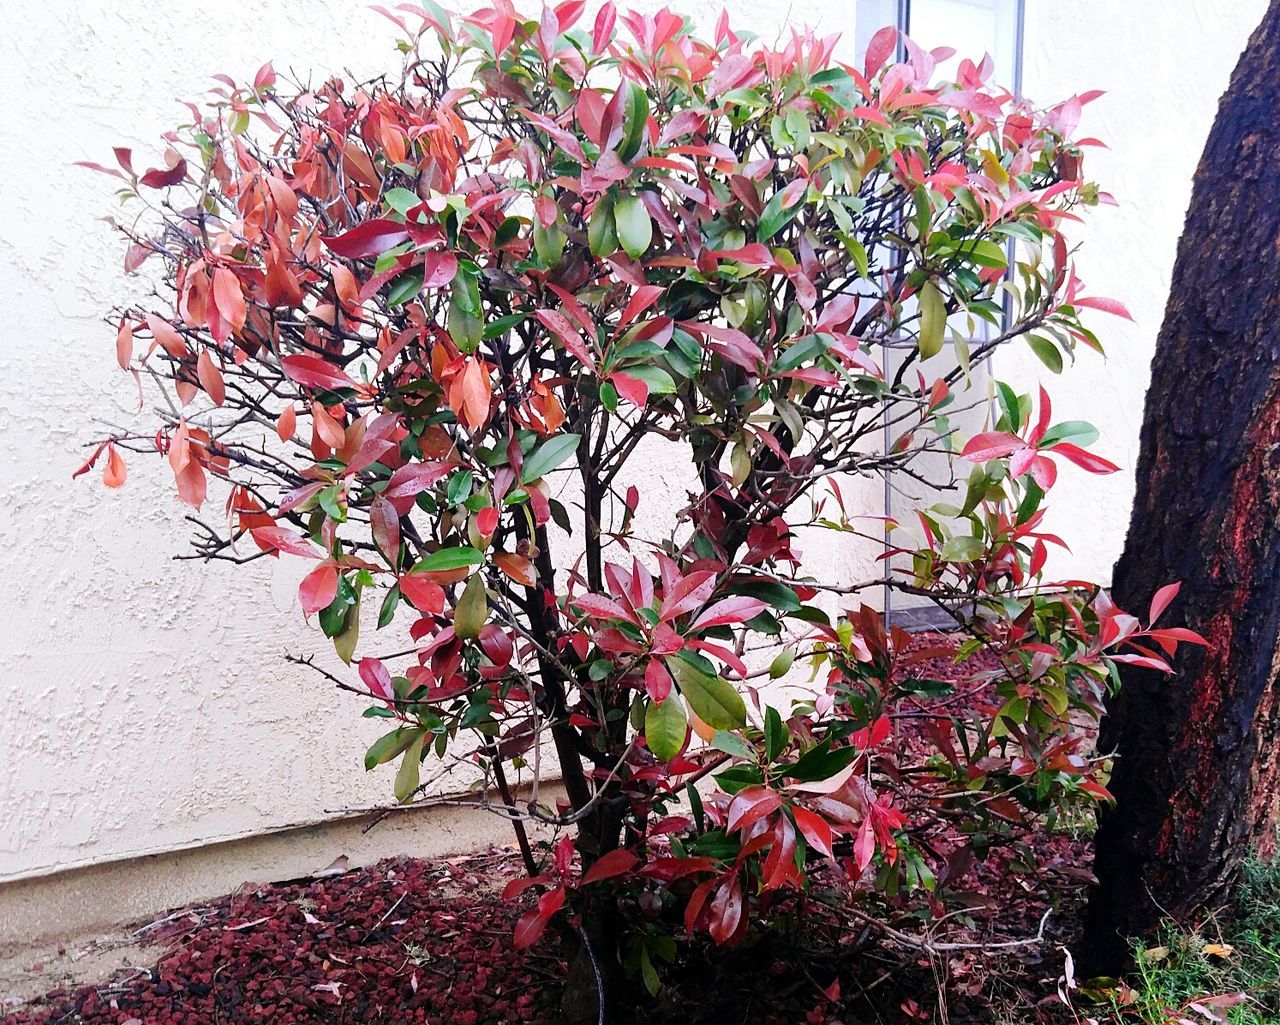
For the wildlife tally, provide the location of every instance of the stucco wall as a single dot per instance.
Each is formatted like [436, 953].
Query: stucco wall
[146, 704]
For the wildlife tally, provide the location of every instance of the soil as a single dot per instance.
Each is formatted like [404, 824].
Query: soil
[408, 941]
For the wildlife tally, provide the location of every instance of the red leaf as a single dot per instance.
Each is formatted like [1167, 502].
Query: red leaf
[162, 178]
[528, 929]
[558, 324]
[750, 806]
[425, 596]
[318, 588]
[519, 884]
[632, 389]
[314, 372]
[438, 269]
[725, 914]
[487, 521]
[287, 423]
[608, 866]
[517, 567]
[1084, 460]
[411, 480]
[815, 829]
[384, 524]
[865, 845]
[657, 680]
[369, 238]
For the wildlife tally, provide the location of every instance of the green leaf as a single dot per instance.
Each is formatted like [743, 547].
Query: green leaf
[933, 320]
[602, 234]
[776, 734]
[963, 549]
[549, 242]
[407, 777]
[344, 642]
[926, 688]
[1078, 432]
[472, 610]
[632, 223]
[449, 558]
[780, 596]
[801, 351]
[665, 723]
[658, 380]
[405, 287]
[1046, 352]
[781, 664]
[547, 456]
[390, 744]
[821, 763]
[401, 200]
[732, 744]
[774, 218]
[635, 118]
[499, 327]
[715, 701]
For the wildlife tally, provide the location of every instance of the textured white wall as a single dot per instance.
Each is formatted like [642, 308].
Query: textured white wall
[1164, 66]
[146, 705]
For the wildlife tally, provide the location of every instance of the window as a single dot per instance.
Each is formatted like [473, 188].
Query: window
[973, 28]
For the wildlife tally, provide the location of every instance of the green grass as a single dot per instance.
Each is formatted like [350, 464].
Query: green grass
[1237, 952]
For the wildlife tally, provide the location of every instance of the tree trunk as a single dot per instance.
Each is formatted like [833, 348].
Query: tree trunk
[1196, 778]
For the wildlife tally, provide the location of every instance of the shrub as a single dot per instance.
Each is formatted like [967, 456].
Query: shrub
[421, 332]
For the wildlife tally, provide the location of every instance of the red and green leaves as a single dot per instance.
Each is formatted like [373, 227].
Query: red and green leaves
[439, 350]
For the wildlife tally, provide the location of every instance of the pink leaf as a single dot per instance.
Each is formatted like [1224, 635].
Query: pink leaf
[314, 372]
[1161, 599]
[737, 609]
[1098, 302]
[376, 678]
[992, 445]
[281, 539]
[687, 594]
[599, 607]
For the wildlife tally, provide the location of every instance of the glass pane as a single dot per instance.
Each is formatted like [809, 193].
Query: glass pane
[972, 28]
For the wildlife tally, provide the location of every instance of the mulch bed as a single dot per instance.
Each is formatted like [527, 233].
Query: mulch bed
[407, 941]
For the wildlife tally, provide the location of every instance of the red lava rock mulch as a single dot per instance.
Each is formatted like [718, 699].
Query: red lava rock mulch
[405, 941]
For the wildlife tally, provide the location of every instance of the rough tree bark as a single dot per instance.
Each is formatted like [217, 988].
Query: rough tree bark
[1196, 780]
